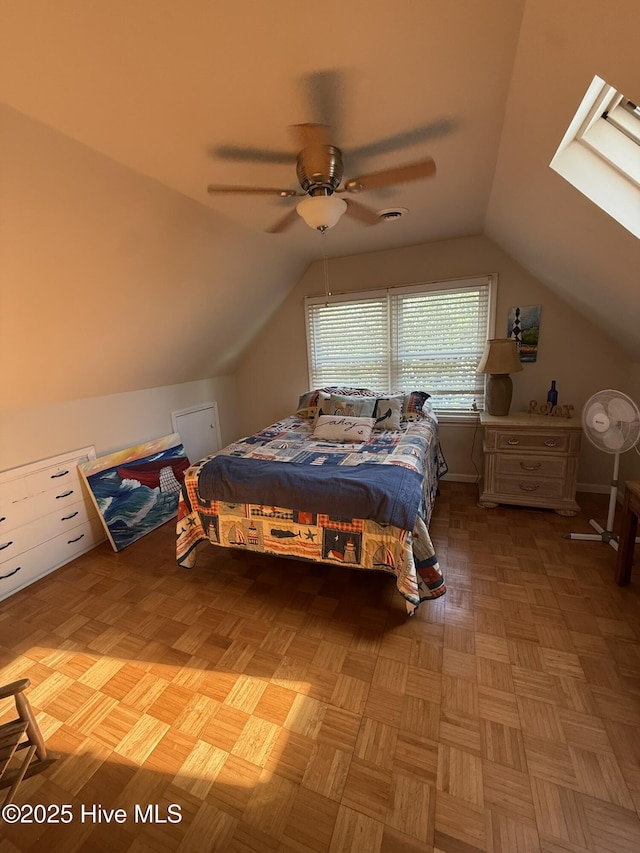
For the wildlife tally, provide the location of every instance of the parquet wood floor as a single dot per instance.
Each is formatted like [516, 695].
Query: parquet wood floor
[289, 707]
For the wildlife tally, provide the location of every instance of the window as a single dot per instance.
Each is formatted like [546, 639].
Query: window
[600, 153]
[419, 337]
[625, 116]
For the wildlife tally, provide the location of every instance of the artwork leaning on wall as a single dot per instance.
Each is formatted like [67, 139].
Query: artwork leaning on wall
[136, 489]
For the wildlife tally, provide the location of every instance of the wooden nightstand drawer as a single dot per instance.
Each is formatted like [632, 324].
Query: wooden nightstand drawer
[530, 488]
[546, 442]
[531, 466]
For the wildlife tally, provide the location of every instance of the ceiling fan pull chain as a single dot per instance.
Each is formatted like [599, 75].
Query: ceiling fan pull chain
[327, 292]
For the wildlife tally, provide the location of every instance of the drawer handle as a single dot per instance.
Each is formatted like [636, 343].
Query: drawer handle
[77, 539]
[551, 442]
[533, 467]
[67, 517]
[64, 494]
[6, 545]
[2, 577]
[59, 474]
[513, 441]
[529, 487]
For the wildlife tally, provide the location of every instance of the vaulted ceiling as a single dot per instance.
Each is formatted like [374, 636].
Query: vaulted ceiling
[200, 92]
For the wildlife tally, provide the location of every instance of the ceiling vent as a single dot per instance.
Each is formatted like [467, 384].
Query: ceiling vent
[393, 213]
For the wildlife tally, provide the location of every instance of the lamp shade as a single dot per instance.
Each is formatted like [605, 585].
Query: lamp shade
[321, 211]
[500, 356]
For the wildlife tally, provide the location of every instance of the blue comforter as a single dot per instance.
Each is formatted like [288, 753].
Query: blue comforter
[389, 494]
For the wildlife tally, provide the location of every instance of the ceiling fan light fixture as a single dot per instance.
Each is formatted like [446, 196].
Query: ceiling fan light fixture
[321, 211]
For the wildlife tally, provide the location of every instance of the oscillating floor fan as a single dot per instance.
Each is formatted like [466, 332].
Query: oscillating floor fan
[611, 422]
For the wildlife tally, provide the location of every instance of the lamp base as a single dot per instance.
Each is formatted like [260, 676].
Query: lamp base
[498, 394]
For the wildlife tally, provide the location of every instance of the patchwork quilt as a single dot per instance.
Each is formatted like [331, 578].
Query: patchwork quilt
[284, 492]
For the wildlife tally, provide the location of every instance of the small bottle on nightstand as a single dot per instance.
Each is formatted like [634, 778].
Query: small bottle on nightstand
[552, 395]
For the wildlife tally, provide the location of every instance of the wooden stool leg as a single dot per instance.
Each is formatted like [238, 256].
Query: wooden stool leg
[33, 730]
[19, 776]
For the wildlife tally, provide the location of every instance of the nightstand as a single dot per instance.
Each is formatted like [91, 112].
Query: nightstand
[530, 460]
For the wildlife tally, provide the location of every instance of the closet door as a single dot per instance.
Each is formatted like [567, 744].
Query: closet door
[199, 430]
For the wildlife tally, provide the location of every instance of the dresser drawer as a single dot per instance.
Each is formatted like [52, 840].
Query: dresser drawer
[24, 568]
[546, 442]
[60, 478]
[529, 487]
[19, 539]
[531, 466]
[59, 499]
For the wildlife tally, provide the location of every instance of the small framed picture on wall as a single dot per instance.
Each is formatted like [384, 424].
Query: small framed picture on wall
[523, 324]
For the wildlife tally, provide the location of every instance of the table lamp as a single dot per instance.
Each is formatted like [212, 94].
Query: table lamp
[500, 358]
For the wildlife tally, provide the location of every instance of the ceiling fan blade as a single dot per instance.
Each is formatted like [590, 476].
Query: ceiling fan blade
[216, 188]
[361, 213]
[390, 177]
[415, 136]
[305, 135]
[284, 223]
[245, 154]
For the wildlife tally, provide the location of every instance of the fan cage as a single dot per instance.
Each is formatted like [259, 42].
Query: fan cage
[622, 434]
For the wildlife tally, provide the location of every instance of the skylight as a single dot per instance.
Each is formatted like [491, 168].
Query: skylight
[625, 116]
[600, 153]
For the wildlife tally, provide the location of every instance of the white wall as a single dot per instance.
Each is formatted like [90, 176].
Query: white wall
[110, 282]
[574, 352]
[109, 423]
[119, 298]
[554, 230]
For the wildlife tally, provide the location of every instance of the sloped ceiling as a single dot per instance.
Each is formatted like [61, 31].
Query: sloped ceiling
[162, 86]
[550, 227]
[485, 87]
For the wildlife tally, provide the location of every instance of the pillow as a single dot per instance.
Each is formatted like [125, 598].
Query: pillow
[339, 428]
[351, 392]
[412, 406]
[354, 407]
[387, 412]
[308, 404]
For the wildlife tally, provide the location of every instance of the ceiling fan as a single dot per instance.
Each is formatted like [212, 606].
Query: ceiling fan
[320, 171]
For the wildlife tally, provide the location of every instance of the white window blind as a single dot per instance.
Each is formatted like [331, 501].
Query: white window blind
[421, 337]
[348, 342]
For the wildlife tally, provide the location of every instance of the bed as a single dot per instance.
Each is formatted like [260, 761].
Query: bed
[350, 479]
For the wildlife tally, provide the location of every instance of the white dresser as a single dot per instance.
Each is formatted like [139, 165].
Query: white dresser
[46, 518]
[530, 460]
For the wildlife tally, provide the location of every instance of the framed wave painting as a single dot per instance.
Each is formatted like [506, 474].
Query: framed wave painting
[136, 490]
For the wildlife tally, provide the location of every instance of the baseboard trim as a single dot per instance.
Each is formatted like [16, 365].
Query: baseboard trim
[460, 478]
[596, 488]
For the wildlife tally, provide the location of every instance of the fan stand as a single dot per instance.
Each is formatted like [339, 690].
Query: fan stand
[604, 535]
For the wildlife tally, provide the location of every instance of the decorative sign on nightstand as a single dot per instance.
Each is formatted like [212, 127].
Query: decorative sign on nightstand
[536, 408]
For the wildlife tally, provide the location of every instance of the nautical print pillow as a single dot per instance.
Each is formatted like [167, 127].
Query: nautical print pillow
[308, 404]
[351, 392]
[340, 428]
[412, 407]
[387, 412]
[353, 407]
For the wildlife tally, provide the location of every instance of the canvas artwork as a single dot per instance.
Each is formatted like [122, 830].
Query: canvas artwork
[523, 324]
[137, 489]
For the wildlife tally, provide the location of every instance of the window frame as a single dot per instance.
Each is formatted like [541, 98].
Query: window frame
[600, 153]
[424, 287]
